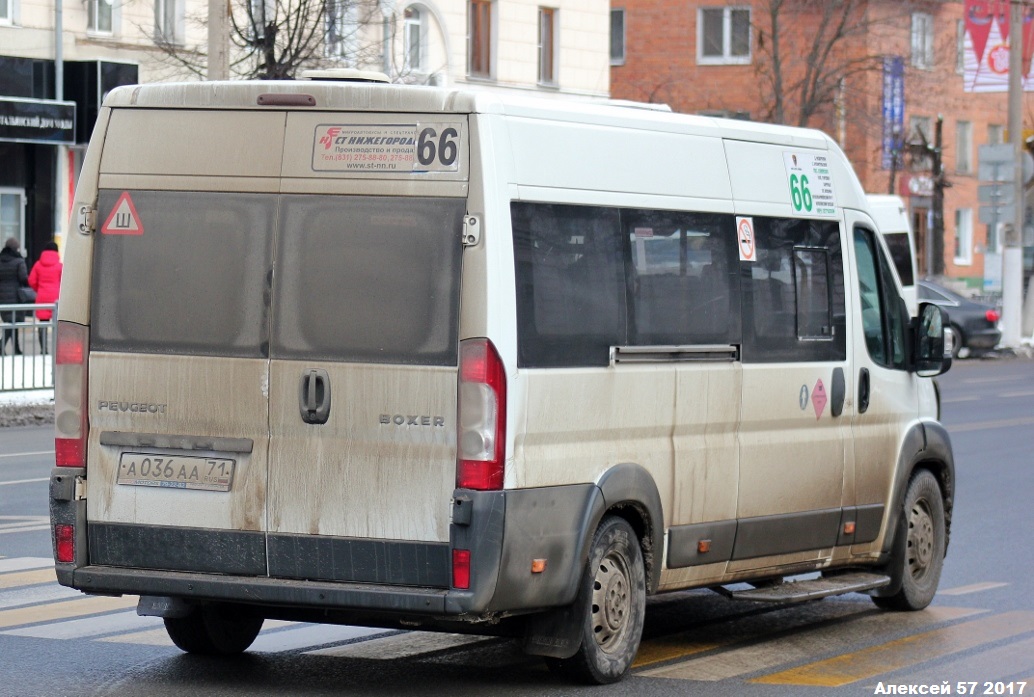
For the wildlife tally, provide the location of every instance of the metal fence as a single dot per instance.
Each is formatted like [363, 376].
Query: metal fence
[30, 366]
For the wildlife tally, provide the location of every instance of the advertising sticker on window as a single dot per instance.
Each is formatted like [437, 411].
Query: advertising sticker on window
[811, 183]
[398, 148]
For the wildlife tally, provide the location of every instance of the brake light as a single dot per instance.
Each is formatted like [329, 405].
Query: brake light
[481, 427]
[64, 543]
[992, 316]
[461, 568]
[70, 380]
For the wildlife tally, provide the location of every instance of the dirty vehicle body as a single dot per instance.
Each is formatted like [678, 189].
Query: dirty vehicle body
[411, 357]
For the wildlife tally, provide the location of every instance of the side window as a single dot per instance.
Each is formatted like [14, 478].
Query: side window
[793, 293]
[884, 316]
[682, 278]
[570, 284]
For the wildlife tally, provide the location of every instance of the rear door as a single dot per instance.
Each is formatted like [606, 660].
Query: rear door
[178, 377]
[178, 367]
[364, 349]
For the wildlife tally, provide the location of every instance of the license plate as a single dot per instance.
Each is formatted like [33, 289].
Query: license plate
[175, 471]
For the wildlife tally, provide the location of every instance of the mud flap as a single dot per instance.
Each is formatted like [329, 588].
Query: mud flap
[556, 633]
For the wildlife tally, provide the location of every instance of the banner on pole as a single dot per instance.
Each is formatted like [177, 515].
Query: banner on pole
[986, 46]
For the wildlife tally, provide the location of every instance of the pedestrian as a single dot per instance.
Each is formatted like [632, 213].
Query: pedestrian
[45, 279]
[13, 276]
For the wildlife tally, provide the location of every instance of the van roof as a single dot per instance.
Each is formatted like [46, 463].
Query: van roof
[348, 96]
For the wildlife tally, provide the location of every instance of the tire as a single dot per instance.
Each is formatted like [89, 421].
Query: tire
[214, 630]
[958, 340]
[610, 607]
[918, 555]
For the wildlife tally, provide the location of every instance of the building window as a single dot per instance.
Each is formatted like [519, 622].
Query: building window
[547, 45]
[995, 134]
[919, 128]
[413, 39]
[922, 40]
[12, 216]
[617, 37]
[100, 16]
[342, 40]
[723, 35]
[7, 11]
[167, 26]
[480, 50]
[963, 236]
[964, 147]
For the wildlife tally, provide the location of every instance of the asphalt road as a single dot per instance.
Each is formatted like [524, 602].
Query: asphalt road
[978, 632]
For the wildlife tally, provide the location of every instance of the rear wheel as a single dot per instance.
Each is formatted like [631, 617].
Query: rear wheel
[214, 630]
[918, 554]
[611, 605]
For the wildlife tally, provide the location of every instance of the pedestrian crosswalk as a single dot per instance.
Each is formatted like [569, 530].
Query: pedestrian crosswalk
[830, 645]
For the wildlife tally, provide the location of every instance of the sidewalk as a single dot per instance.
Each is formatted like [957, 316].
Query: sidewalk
[28, 408]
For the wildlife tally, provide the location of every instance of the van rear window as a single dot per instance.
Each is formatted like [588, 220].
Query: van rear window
[368, 279]
[353, 278]
[191, 277]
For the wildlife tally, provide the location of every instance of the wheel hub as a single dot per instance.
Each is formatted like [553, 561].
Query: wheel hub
[611, 601]
[920, 540]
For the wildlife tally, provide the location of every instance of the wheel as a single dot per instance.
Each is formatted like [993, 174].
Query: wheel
[957, 339]
[918, 554]
[611, 605]
[214, 630]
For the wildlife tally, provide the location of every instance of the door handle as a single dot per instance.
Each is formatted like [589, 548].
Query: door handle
[863, 390]
[314, 396]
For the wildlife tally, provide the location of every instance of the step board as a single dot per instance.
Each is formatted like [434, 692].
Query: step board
[814, 589]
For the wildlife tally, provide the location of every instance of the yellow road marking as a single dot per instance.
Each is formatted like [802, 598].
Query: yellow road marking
[981, 425]
[27, 578]
[792, 644]
[150, 637]
[973, 588]
[895, 655]
[63, 610]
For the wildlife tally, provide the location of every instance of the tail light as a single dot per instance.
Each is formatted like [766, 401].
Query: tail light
[481, 427]
[64, 543]
[461, 568]
[992, 316]
[70, 404]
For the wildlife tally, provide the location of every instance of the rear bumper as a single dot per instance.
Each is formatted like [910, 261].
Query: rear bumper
[256, 591]
[983, 338]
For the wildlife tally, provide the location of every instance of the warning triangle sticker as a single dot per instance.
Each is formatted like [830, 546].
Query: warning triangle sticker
[123, 220]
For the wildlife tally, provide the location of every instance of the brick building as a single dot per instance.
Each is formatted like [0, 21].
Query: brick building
[719, 57]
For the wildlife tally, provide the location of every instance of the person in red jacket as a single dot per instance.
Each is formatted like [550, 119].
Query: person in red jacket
[45, 279]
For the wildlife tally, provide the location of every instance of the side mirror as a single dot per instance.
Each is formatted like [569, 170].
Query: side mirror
[932, 349]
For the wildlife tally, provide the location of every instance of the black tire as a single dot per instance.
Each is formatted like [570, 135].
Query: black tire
[918, 555]
[214, 630]
[611, 606]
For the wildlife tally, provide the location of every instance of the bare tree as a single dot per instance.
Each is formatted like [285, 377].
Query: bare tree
[807, 49]
[275, 39]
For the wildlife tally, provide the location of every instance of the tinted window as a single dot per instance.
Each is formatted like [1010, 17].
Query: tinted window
[192, 282]
[368, 279]
[682, 278]
[570, 263]
[901, 253]
[794, 292]
[884, 315]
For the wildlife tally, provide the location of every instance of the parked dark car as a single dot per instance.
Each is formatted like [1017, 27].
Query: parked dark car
[974, 324]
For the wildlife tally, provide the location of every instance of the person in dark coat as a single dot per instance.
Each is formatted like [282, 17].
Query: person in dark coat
[13, 275]
[45, 279]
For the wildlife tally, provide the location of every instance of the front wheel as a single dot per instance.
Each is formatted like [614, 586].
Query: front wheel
[611, 606]
[214, 630]
[918, 554]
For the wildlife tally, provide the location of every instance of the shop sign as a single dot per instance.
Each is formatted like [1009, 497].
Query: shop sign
[37, 121]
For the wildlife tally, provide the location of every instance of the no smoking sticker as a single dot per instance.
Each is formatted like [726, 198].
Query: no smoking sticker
[745, 238]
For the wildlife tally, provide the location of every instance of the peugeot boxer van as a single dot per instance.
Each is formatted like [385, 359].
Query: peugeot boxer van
[426, 358]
